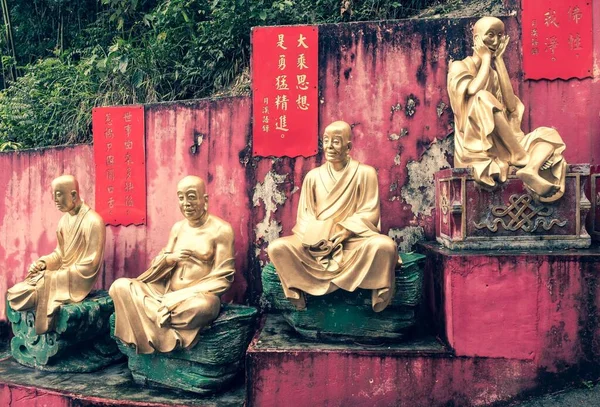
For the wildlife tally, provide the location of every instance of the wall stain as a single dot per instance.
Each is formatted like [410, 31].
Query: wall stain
[419, 190]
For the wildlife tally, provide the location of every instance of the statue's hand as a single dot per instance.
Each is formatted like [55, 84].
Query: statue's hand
[340, 236]
[35, 272]
[36, 267]
[502, 47]
[172, 258]
[481, 49]
[547, 164]
[179, 255]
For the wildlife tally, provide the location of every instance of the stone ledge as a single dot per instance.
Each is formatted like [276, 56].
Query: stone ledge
[537, 306]
[112, 386]
[282, 369]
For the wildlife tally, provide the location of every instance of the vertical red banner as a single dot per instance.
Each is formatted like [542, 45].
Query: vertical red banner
[557, 39]
[120, 161]
[285, 78]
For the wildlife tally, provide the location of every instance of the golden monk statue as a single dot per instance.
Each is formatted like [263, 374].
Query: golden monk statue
[68, 274]
[487, 116]
[165, 307]
[337, 241]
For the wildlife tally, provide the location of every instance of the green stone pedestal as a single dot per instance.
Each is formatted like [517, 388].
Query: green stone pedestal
[208, 367]
[348, 316]
[80, 342]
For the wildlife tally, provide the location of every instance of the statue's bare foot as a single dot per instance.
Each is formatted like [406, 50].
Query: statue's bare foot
[520, 160]
[537, 184]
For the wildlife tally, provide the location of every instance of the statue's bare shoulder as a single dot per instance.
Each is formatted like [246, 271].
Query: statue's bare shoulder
[222, 228]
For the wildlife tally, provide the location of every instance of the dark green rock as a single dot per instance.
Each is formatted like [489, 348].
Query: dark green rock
[348, 316]
[80, 341]
[209, 366]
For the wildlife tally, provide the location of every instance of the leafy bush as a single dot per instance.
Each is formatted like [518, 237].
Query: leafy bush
[77, 54]
[49, 105]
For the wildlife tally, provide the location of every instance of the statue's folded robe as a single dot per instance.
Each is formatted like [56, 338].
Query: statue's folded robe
[139, 302]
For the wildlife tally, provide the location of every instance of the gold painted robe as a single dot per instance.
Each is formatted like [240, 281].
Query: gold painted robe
[366, 260]
[71, 269]
[190, 290]
[476, 142]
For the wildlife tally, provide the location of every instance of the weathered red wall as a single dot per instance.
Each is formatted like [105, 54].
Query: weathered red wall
[572, 107]
[540, 307]
[28, 218]
[386, 78]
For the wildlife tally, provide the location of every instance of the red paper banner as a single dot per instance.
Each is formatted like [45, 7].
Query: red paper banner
[120, 160]
[285, 90]
[557, 39]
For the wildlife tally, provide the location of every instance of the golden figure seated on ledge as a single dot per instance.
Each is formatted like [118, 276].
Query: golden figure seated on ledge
[165, 307]
[337, 241]
[487, 116]
[68, 274]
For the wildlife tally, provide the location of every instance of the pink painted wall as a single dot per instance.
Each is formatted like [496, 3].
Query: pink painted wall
[386, 78]
[28, 218]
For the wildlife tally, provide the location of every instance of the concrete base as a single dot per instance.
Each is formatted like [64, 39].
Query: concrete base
[283, 369]
[535, 306]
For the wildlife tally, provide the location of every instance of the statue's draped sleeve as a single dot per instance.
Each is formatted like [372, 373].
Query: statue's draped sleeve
[306, 207]
[366, 219]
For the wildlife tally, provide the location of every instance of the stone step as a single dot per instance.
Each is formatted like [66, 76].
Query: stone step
[284, 369]
[112, 386]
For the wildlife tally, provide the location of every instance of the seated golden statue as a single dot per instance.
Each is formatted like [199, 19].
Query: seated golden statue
[67, 274]
[487, 116]
[166, 306]
[337, 241]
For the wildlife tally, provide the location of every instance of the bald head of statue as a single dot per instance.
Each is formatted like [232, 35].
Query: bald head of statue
[193, 200]
[490, 30]
[65, 192]
[337, 141]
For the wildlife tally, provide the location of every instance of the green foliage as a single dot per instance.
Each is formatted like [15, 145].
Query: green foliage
[77, 54]
[49, 105]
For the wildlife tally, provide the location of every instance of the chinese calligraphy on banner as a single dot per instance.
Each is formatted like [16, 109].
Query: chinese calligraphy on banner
[285, 91]
[120, 161]
[557, 39]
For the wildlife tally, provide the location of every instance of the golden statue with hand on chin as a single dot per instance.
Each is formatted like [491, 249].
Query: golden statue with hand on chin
[487, 116]
[68, 274]
[166, 306]
[336, 242]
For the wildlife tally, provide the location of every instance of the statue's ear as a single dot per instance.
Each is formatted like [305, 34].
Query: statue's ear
[74, 195]
[349, 145]
[206, 197]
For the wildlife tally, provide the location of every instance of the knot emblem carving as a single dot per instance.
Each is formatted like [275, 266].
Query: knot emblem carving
[445, 203]
[521, 213]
